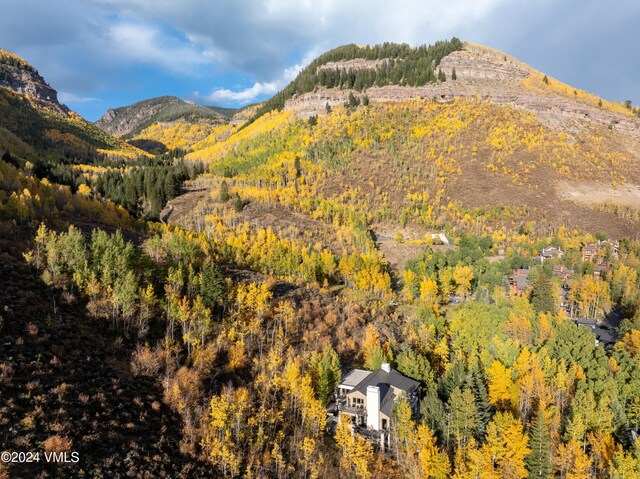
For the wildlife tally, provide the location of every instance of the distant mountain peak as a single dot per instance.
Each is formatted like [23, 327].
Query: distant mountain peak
[130, 120]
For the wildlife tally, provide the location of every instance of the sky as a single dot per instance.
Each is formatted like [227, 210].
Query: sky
[101, 54]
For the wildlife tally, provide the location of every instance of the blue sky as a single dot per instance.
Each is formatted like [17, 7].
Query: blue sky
[101, 54]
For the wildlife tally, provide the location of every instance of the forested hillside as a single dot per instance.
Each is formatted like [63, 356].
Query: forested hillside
[392, 64]
[430, 235]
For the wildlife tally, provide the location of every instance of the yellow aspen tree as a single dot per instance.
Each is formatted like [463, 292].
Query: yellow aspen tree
[370, 342]
[357, 452]
[506, 447]
[463, 275]
[501, 386]
[572, 462]
[428, 290]
[434, 463]
[410, 280]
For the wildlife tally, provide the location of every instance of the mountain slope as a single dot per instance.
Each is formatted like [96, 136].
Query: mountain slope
[33, 124]
[213, 351]
[491, 150]
[130, 120]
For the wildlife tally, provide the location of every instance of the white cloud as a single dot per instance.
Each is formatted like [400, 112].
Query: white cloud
[65, 97]
[224, 95]
[247, 95]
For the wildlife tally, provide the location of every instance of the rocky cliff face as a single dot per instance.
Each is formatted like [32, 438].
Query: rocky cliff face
[19, 76]
[481, 73]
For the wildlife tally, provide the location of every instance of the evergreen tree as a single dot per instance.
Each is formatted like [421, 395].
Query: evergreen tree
[353, 101]
[463, 415]
[441, 76]
[328, 107]
[238, 204]
[539, 461]
[453, 74]
[541, 294]
[545, 79]
[297, 166]
[212, 285]
[365, 100]
[329, 374]
[432, 412]
[455, 377]
[171, 185]
[415, 366]
[485, 411]
[224, 191]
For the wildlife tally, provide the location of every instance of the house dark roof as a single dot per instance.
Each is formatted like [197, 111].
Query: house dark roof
[387, 406]
[605, 336]
[587, 322]
[383, 380]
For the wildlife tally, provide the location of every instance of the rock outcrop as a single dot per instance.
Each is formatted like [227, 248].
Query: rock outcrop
[481, 73]
[19, 76]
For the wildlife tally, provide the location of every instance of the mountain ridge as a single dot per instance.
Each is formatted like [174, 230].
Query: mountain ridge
[485, 73]
[129, 120]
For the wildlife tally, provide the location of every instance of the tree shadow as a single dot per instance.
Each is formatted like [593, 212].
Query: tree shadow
[65, 375]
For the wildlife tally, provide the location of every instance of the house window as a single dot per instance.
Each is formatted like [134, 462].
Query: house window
[384, 424]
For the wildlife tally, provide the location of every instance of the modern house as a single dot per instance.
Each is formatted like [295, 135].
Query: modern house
[603, 334]
[369, 396]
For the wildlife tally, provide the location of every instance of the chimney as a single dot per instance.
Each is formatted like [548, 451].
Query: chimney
[386, 367]
[373, 407]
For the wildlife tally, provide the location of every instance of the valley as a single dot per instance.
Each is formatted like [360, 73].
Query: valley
[403, 265]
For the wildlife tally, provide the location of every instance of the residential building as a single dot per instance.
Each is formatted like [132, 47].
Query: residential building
[519, 281]
[563, 273]
[369, 396]
[601, 268]
[589, 252]
[550, 253]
